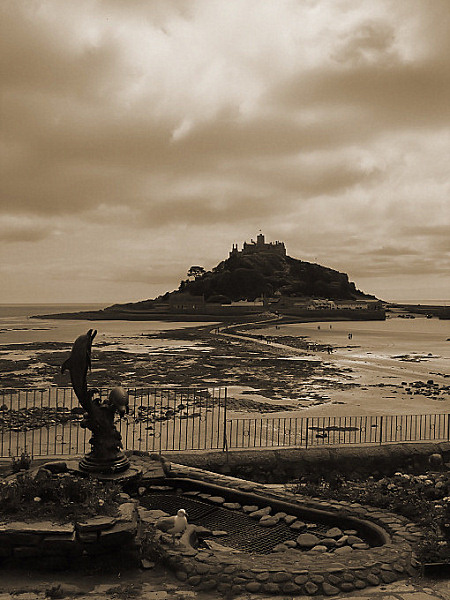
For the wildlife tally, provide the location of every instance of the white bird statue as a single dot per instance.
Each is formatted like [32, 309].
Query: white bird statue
[173, 525]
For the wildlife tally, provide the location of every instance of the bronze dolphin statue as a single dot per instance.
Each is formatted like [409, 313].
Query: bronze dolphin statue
[78, 364]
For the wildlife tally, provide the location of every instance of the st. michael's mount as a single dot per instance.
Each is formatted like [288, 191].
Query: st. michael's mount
[259, 278]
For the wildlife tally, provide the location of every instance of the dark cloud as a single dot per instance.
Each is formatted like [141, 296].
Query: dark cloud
[326, 123]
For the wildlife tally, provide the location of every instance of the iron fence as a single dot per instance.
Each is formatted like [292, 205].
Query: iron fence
[46, 422]
[305, 432]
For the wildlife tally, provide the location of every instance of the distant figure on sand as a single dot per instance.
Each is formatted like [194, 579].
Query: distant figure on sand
[350, 335]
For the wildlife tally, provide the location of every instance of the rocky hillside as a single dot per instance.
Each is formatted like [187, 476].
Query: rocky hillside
[249, 276]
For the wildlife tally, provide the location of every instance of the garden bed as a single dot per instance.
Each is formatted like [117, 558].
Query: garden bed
[53, 518]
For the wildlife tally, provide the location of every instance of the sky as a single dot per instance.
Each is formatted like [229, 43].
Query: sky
[139, 138]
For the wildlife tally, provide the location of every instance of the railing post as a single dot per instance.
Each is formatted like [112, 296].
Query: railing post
[381, 429]
[225, 435]
[307, 430]
[448, 427]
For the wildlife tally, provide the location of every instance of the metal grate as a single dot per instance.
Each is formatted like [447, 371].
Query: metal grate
[244, 533]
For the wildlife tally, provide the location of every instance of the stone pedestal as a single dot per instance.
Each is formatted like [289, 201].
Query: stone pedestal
[93, 464]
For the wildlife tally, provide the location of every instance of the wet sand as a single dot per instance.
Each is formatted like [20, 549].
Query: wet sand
[382, 370]
[292, 375]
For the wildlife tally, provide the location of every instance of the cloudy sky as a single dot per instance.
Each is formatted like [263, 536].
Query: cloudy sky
[142, 137]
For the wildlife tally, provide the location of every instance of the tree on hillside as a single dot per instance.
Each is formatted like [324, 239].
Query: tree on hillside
[195, 272]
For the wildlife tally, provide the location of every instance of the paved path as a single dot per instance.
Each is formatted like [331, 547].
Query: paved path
[158, 584]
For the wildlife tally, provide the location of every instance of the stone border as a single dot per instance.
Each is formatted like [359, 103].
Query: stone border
[292, 571]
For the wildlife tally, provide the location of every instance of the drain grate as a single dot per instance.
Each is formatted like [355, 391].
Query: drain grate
[244, 533]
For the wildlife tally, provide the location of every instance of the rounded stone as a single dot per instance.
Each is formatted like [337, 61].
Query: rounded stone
[334, 532]
[319, 548]
[202, 569]
[217, 499]
[311, 588]
[267, 521]
[297, 525]
[362, 546]
[373, 579]
[253, 587]
[289, 519]
[307, 540]
[281, 576]
[301, 579]
[290, 588]
[315, 578]
[229, 569]
[232, 505]
[271, 588]
[280, 548]
[388, 576]
[257, 514]
[360, 584]
[194, 579]
[329, 590]
[342, 540]
[346, 586]
[354, 539]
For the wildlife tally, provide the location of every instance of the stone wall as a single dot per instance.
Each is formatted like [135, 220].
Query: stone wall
[283, 465]
[57, 546]
[286, 570]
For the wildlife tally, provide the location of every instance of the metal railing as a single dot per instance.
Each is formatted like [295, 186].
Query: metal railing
[46, 422]
[306, 432]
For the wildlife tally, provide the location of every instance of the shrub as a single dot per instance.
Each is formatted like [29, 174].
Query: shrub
[424, 499]
[21, 463]
[150, 546]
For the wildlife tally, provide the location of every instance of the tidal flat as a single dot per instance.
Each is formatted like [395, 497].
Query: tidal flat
[259, 378]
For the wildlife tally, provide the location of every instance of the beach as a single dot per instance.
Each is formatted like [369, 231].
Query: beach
[372, 373]
[382, 360]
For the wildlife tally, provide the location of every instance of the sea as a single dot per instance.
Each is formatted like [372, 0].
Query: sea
[18, 327]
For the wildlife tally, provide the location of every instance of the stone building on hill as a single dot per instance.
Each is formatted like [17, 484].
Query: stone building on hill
[259, 246]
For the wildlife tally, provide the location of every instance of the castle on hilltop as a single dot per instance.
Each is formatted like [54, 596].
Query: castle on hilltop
[259, 246]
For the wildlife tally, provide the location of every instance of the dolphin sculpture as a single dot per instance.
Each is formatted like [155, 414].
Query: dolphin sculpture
[78, 364]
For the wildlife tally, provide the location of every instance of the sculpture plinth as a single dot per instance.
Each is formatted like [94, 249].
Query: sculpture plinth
[91, 464]
[106, 456]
